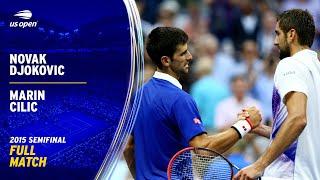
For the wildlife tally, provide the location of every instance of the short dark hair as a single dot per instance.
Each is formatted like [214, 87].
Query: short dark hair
[163, 41]
[300, 20]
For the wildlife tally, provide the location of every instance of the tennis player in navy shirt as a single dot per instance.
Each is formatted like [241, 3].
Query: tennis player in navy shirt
[168, 119]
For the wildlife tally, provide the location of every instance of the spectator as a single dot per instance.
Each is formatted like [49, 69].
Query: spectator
[246, 151]
[168, 11]
[235, 103]
[264, 84]
[208, 45]
[222, 16]
[146, 26]
[250, 65]
[266, 33]
[194, 23]
[207, 93]
[247, 24]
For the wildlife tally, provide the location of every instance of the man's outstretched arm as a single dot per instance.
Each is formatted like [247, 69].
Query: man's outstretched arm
[221, 142]
[290, 130]
[262, 130]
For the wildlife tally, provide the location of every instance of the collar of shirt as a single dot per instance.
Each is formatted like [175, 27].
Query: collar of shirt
[304, 51]
[167, 77]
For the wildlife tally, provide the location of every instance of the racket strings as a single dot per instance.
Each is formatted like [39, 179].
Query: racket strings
[200, 164]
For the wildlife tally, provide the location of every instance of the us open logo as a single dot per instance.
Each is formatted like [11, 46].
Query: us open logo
[26, 15]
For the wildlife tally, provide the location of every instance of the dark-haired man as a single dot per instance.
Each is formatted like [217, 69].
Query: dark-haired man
[294, 150]
[168, 119]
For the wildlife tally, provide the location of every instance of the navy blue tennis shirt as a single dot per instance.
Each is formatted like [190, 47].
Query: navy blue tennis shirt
[167, 120]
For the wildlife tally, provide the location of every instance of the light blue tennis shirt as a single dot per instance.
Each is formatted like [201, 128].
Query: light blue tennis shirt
[167, 120]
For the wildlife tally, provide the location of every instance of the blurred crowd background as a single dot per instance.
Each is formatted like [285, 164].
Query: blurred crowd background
[234, 59]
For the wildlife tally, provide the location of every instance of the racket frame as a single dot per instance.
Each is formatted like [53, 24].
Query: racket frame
[195, 149]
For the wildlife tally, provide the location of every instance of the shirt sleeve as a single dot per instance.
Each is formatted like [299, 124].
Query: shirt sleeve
[186, 114]
[289, 76]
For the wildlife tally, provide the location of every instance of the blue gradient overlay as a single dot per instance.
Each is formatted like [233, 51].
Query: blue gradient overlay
[92, 40]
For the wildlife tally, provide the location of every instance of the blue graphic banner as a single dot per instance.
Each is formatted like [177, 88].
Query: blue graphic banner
[65, 73]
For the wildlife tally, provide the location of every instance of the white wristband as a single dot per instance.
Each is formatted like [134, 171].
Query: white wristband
[243, 127]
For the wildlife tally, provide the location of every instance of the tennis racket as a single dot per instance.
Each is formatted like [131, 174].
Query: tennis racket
[199, 163]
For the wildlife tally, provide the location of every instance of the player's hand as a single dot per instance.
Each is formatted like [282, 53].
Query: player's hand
[249, 172]
[242, 115]
[254, 115]
[256, 129]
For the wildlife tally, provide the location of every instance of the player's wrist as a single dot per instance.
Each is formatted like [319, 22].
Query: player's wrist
[242, 127]
[260, 165]
[249, 122]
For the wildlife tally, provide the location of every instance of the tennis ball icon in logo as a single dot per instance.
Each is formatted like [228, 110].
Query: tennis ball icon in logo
[24, 14]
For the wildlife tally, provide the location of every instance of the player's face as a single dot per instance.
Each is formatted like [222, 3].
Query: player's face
[281, 42]
[180, 60]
